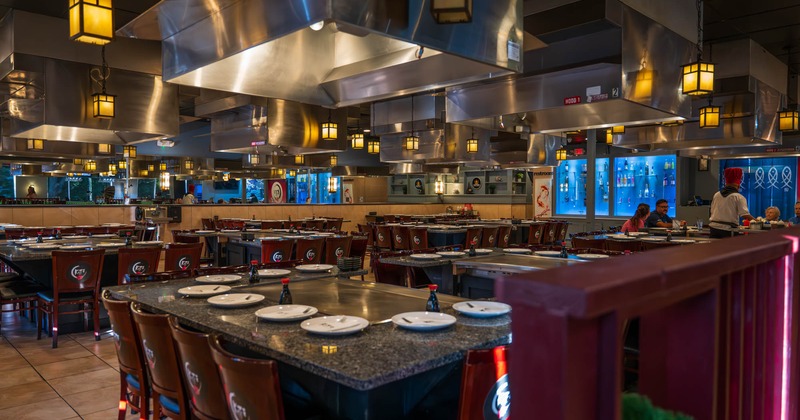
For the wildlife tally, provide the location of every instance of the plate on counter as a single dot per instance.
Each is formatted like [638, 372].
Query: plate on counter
[294, 237]
[42, 247]
[204, 290]
[517, 250]
[482, 309]
[684, 241]
[452, 254]
[322, 234]
[286, 312]
[425, 256]
[149, 243]
[423, 321]
[218, 278]
[74, 237]
[483, 251]
[231, 231]
[205, 231]
[235, 300]
[313, 268]
[335, 325]
[548, 253]
[273, 272]
[110, 244]
[73, 247]
[105, 235]
[654, 239]
[592, 256]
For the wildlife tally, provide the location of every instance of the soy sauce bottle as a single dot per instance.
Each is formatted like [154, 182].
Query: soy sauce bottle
[286, 295]
[472, 251]
[39, 238]
[253, 271]
[433, 301]
[563, 253]
[128, 242]
[58, 233]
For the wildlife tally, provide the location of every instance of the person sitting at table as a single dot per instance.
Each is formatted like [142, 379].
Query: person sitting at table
[637, 221]
[659, 218]
[796, 219]
[772, 214]
[728, 206]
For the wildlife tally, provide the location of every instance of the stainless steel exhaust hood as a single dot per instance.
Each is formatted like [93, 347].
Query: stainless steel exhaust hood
[50, 99]
[366, 50]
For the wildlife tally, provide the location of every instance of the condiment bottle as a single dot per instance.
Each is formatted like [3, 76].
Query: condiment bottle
[286, 295]
[433, 301]
[58, 233]
[472, 252]
[39, 237]
[563, 250]
[253, 271]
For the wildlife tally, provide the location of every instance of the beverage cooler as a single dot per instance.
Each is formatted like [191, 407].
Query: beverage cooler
[620, 184]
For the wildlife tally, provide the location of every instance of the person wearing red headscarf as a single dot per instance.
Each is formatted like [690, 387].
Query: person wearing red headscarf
[728, 206]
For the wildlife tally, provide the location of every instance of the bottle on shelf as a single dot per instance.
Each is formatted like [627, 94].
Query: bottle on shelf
[646, 169]
[672, 179]
[286, 295]
[605, 167]
[128, 242]
[633, 182]
[618, 184]
[625, 166]
[433, 302]
[666, 182]
[641, 172]
[253, 272]
[646, 188]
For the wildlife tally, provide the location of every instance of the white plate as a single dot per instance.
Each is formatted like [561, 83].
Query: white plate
[636, 233]
[425, 256]
[482, 309]
[335, 325]
[110, 244]
[517, 250]
[74, 247]
[204, 290]
[107, 224]
[548, 253]
[313, 268]
[219, 278]
[280, 230]
[483, 251]
[423, 321]
[204, 231]
[323, 234]
[273, 272]
[592, 256]
[235, 300]
[149, 243]
[74, 237]
[294, 237]
[683, 241]
[452, 254]
[230, 231]
[104, 235]
[41, 247]
[623, 237]
[654, 239]
[286, 312]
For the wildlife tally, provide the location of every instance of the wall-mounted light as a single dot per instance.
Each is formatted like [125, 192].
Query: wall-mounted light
[329, 129]
[374, 146]
[91, 21]
[188, 164]
[77, 161]
[334, 160]
[357, 141]
[103, 149]
[438, 186]
[709, 116]
[129, 152]
[452, 11]
[299, 160]
[35, 144]
[609, 136]
[254, 159]
[164, 178]
[89, 166]
[333, 185]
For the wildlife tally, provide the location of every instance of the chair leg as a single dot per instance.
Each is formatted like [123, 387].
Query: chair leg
[85, 318]
[40, 309]
[156, 404]
[54, 324]
[123, 396]
[96, 320]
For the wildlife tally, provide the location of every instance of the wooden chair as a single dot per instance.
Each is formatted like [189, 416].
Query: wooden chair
[418, 238]
[397, 275]
[276, 251]
[309, 250]
[132, 373]
[314, 224]
[252, 385]
[201, 378]
[20, 293]
[632, 245]
[588, 243]
[489, 237]
[562, 232]
[182, 257]
[161, 360]
[484, 371]
[503, 236]
[14, 233]
[136, 261]
[336, 247]
[185, 237]
[76, 281]
[536, 233]
[334, 224]
[473, 236]
[208, 224]
[368, 231]
[231, 269]
[400, 238]
[358, 248]
[383, 237]
[649, 245]
[271, 224]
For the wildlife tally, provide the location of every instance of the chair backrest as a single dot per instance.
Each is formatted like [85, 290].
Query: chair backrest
[473, 236]
[77, 271]
[276, 251]
[397, 275]
[623, 245]
[562, 233]
[358, 248]
[535, 233]
[489, 237]
[207, 224]
[309, 250]
[231, 269]
[590, 243]
[503, 236]
[252, 386]
[182, 257]
[184, 237]
[485, 391]
[400, 236]
[368, 231]
[383, 237]
[648, 245]
[314, 224]
[336, 247]
[126, 338]
[271, 224]
[14, 233]
[334, 225]
[418, 238]
[549, 232]
[136, 261]
[389, 218]
[160, 356]
[203, 386]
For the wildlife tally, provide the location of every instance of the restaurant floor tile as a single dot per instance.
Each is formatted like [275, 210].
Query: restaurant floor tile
[52, 409]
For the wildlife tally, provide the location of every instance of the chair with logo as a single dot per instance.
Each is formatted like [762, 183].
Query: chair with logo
[208, 224]
[182, 257]
[383, 238]
[503, 236]
[252, 385]
[336, 247]
[132, 373]
[276, 251]
[588, 243]
[309, 250]
[489, 237]
[400, 238]
[161, 276]
[271, 224]
[14, 233]
[535, 233]
[418, 238]
[76, 281]
[201, 380]
[387, 273]
[367, 230]
[484, 385]
[136, 261]
[161, 360]
[334, 224]
[314, 224]
[473, 236]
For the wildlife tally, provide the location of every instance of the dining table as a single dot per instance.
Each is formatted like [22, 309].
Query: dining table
[380, 371]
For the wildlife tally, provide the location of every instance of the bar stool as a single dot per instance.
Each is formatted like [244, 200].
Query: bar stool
[336, 247]
[383, 237]
[16, 291]
[182, 257]
[473, 236]
[276, 251]
[503, 236]
[314, 224]
[334, 224]
[535, 233]
[489, 237]
[136, 261]
[484, 371]
[309, 250]
[419, 238]
[588, 243]
[400, 238]
[271, 224]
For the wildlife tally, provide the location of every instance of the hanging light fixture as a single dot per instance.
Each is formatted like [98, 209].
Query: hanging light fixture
[643, 80]
[472, 143]
[122, 165]
[709, 116]
[112, 169]
[438, 186]
[329, 129]
[788, 117]
[357, 142]
[333, 186]
[254, 159]
[129, 152]
[452, 11]
[299, 160]
[374, 146]
[164, 178]
[188, 164]
[77, 161]
[226, 176]
[162, 166]
[334, 160]
[91, 21]
[292, 173]
[698, 77]
[103, 149]
[609, 136]
[411, 141]
[89, 166]
[618, 129]
[151, 167]
[35, 144]
[561, 154]
[144, 173]
[103, 104]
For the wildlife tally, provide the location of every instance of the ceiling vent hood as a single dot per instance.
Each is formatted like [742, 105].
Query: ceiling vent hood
[366, 50]
[749, 91]
[621, 68]
[523, 151]
[360, 171]
[47, 98]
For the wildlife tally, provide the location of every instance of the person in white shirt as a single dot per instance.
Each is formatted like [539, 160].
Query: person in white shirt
[728, 206]
[189, 197]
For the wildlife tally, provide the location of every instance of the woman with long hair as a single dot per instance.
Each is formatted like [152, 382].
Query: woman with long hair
[637, 221]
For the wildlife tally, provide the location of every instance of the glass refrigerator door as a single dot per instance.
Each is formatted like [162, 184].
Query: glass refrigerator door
[644, 179]
[570, 187]
[601, 196]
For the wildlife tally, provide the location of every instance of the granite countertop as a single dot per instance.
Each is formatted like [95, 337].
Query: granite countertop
[380, 354]
[14, 252]
[414, 262]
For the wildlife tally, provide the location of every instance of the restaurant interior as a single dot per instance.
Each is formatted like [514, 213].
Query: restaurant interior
[334, 209]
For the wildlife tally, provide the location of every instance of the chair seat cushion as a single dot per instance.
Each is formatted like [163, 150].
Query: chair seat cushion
[19, 289]
[169, 404]
[64, 297]
[133, 382]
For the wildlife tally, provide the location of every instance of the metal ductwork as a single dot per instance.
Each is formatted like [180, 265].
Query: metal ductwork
[618, 67]
[523, 151]
[360, 171]
[47, 98]
[366, 50]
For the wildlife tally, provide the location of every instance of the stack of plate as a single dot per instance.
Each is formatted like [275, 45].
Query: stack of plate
[349, 263]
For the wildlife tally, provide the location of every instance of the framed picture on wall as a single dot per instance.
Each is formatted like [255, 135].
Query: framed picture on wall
[702, 164]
